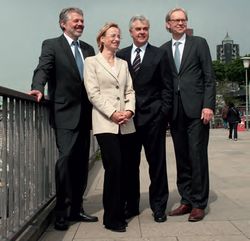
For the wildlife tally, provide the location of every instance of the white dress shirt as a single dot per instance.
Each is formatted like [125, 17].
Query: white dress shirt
[133, 53]
[182, 40]
[70, 41]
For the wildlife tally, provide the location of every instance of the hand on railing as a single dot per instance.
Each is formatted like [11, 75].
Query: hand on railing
[38, 94]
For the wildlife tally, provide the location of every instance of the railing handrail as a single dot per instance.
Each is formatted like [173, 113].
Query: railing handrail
[27, 159]
[16, 94]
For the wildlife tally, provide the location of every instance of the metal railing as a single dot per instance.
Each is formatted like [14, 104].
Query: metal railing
[27, 161]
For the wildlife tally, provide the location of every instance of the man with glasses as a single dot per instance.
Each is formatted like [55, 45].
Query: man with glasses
[194, 103]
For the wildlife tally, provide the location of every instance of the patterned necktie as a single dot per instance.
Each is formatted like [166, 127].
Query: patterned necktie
[78, 58]
[177, 56]
[137, 60]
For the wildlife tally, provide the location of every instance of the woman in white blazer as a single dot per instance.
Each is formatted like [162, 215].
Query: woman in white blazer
[109, 87]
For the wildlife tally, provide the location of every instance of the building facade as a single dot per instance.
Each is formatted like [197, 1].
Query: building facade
[227, 51]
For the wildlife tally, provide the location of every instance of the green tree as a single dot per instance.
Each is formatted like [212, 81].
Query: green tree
[235, 71]
[226, 76]
[232, 72]
[219, 70]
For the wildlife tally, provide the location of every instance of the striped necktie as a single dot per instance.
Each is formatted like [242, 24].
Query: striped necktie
[137, 60]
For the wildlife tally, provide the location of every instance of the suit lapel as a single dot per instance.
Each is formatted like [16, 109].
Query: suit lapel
[169, 49]
[147, 59]
[108, 68]
[69, 55]
[170, 55]
[67, 49]
[118, 66]
[85, 51]
[148, 56]
[186, 51]
[127, 57]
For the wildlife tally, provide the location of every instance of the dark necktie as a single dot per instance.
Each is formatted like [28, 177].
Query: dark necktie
[177, 56]
[137, 60]
[78, 58]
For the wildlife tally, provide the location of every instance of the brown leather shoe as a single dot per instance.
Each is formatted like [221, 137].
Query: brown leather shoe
[181, 210]
[196, 215]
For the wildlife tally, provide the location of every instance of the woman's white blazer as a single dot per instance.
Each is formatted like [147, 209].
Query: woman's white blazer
[109, 89]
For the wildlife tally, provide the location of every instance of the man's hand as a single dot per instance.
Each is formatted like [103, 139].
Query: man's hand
[207, 115]
[37, 94]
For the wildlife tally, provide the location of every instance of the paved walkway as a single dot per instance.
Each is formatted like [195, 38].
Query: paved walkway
[228, 212]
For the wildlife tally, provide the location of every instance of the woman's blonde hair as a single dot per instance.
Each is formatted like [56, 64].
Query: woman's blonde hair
[102, 33]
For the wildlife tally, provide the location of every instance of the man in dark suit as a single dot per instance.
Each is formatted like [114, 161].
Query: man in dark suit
[70, 113]
[194, 103]
[153, 89]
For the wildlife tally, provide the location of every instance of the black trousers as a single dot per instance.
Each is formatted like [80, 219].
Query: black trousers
[71, 171]
[233, 130]
[153, 138]
[115, 152]
[190, 138]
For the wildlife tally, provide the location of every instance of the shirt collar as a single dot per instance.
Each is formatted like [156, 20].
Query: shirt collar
[69, 39]
[143, 48]
[181, 40]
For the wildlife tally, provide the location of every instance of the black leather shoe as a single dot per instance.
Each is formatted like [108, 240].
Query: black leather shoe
[116, 229]
[160, 217]
[83, 217]
[130, 214]
[125, 223]
[61, 224]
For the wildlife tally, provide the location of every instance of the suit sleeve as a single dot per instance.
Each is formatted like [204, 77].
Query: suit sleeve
[209, 76]
[102, 104]
[167, 86]
[45, 67]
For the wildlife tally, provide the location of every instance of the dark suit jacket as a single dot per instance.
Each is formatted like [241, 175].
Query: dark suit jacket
[195, 80]
[66, 91]
[152, 84]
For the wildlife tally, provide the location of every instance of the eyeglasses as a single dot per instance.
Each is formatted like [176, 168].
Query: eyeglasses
[178, 21]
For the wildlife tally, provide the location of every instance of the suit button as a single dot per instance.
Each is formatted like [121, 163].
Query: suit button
[117, 87]
[118, 98]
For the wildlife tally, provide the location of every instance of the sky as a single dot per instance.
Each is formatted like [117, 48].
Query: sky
[25, 24]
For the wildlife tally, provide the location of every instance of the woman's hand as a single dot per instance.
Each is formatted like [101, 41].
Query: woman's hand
[121, 117]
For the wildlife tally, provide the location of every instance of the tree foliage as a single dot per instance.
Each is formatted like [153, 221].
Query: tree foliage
[235, 71]
[230, 78]
[232, 72]
[219, 70]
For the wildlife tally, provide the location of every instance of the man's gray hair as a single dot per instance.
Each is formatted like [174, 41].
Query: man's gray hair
[64, 14]
[140, 18]
[168, 16]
